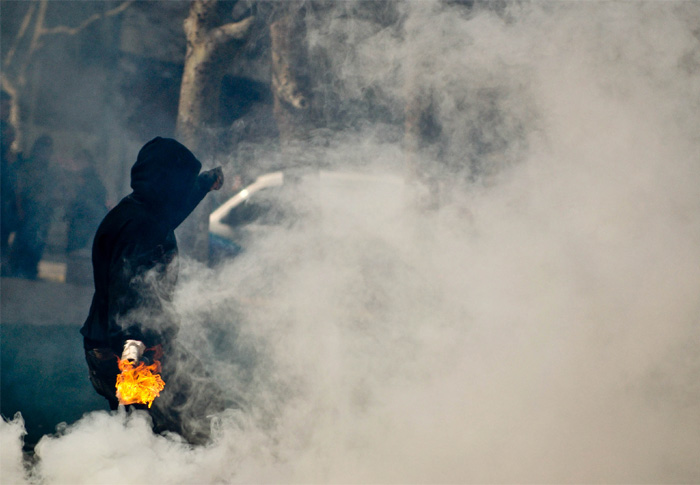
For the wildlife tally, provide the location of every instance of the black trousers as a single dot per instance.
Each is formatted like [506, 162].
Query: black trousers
[104, 368]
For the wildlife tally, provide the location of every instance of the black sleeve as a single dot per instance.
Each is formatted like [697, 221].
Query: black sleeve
[199, 190]
[135, 306]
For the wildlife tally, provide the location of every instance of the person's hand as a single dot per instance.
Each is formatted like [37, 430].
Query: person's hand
[133, 350]
[216, 177]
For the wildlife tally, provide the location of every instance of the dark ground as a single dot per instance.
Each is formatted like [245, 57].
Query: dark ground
[43, 373]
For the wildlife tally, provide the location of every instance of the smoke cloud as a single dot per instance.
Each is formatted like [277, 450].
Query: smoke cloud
[541, 326]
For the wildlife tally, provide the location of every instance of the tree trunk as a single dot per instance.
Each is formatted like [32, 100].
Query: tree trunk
[209, 47]
[288, 65]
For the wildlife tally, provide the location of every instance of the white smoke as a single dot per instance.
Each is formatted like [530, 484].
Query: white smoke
[11, 463]
[541, 327]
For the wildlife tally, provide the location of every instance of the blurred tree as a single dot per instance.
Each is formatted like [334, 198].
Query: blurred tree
[30, 35]
[211, 45]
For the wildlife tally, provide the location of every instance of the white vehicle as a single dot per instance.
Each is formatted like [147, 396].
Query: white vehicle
[225, 211]
[343, 200]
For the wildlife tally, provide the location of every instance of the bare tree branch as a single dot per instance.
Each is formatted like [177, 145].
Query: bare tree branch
[16, 81]
[62, 29]
[20, 35]
[232, 31]
[35, 42]
[9, 87]
[201, 16]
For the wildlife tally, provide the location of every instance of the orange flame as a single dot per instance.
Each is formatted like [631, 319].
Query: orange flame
[140, 384]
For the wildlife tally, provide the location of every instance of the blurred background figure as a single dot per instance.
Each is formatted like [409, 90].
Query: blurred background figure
[35, 205]
[8, 217]
[88, 206]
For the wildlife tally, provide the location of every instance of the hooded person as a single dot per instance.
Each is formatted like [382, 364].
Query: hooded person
[36, 197]
[88, 204]
[134, 258]
[8, 195]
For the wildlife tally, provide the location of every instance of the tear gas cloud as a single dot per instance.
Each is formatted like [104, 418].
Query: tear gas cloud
[542, 326]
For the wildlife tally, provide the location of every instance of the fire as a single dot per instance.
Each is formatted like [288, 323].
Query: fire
[140, 384]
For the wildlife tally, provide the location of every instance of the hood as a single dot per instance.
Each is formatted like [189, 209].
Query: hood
[164, 174]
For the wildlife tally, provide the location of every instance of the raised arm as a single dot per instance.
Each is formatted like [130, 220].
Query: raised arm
[206, 182]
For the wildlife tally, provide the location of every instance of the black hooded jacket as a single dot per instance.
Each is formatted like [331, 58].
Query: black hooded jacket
[134, 250]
